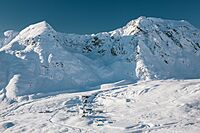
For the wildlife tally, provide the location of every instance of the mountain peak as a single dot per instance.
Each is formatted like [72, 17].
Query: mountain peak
[136, 22]
[36, 29]
[149, 24]
[41, 25]
[131, 27]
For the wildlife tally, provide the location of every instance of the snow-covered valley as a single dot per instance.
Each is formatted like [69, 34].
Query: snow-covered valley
[143, 77]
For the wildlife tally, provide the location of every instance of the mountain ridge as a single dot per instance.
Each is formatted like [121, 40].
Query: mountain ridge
[41, 60]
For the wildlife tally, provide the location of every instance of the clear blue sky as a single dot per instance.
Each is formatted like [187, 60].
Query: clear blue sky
[92, 16]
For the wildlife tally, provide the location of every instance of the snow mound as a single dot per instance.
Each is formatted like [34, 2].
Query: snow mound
[10, 33]
[8, 36]
[39, 60]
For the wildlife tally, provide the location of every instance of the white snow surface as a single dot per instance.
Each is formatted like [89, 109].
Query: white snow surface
[158, 106]
[38, 59]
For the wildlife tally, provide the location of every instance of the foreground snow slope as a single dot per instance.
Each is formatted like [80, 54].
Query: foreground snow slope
[157, 106]
[38, 59]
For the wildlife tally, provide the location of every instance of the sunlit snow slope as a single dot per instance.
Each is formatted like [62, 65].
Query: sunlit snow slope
[159, 106]
[39, 60]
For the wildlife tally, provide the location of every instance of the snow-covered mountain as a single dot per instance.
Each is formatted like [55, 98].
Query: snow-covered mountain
[38, 59]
